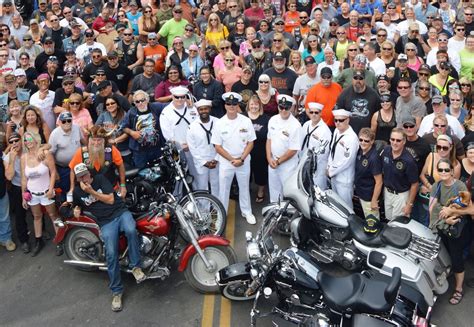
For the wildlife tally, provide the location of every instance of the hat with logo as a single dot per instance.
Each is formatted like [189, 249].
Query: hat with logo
[19, 72]
[437, 99]
[425, 67]
[285, 101]
[278, 55]
[53, 59]
[309, 60]
[231, 98]
[65, 115]
[359, 73]
[48, 39]
[383, 77]
[402, 57]
[103, 85]
[81, 169]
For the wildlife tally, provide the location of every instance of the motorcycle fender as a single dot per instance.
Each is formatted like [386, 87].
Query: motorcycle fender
[237, 271]
[195, 193]
[415, 227]
[82, 221]
[204, 242]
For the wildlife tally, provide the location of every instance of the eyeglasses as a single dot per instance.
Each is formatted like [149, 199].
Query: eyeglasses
[66, 121]
[231, 7]
[465, 85]
[173, 73]
[408, 126]
[361, 140]
[121, 16]
[264, 82]
[276, 40]
[3, 44]
[147, 11]
[280, 23]
[340, 120]
[178, 11]
[382, 35]
[189, 29]
[225, 48]
[403, 87]
[229, 60]
[314, 30]
[466, 14]
[415, 31]
[25, 40]
[3, 56]
[410, 49]
[424, 88]
[74, 103]
[455, 100]
[442, 147]
[54, 20]
[68, 83]
[387, 49]
[139, 101]
[13, 141]
[108, 104]
[430, 17]
[442, 40]
[358, 78]
[213, 20]
[24, 58]
[340, 33]
[352, 50]
[179, 97]
[313, 112]
[444, 170]
[395, 140]
[423, 74]
[127, 34]
[439, 125]
[67, 12]
[99, 74]
[460, 29]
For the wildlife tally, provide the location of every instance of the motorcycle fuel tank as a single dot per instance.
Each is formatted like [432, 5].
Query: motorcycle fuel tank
[333, 210]
[156, 225]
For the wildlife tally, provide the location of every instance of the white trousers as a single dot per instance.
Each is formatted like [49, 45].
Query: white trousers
[277, 177]
[206, 176]
[320, 178]
[344, 190]
[226, 175]
[394, 203]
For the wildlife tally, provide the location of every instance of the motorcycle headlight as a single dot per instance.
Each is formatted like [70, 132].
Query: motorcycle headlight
[253, 251]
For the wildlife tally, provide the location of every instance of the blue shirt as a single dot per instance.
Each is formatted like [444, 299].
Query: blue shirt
[134, 21]
[367, 166]
[400, 173]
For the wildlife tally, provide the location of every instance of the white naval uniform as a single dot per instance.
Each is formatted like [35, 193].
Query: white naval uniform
[174, 125]
[312, 136]
[284, 135]
[199, 142]
[234, 135]
[341, 163]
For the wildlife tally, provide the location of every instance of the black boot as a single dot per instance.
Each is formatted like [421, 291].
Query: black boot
[25, 247]
[38, 246]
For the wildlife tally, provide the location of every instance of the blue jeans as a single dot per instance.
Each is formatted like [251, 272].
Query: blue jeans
[5, 227]
[420, 212]
[64, 182]
[110, 234]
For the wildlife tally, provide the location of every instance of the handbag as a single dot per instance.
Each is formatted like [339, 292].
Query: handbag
[424, 198]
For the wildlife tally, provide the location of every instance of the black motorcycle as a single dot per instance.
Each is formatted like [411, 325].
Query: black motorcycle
[169, 174]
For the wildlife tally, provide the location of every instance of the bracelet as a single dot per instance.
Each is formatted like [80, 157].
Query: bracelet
[122, 184]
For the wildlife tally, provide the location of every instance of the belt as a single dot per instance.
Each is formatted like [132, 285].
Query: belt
[61, 166]
[40, 193]
[391, 190]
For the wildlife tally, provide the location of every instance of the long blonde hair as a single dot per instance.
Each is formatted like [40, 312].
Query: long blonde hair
[220, 27]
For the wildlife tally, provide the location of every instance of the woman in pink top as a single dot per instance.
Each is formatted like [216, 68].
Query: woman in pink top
[80, 115]
[38, 175]
[414, 62]
[231, 72]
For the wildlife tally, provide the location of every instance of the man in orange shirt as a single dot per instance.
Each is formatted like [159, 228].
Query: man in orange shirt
[156, 52]
[325, 92]
[100, 158]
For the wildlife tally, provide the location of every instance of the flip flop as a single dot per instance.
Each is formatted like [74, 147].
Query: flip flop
[260, 199]
[456, 298]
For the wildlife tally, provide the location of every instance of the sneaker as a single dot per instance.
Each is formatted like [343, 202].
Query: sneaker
[138, 274]
[9, 245]
[117, 302]
[250, 218]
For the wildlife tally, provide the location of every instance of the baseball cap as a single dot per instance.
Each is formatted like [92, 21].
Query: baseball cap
[409, 120]
[65, 115]
[437, 99]
[402, 56]
[80, 169]
[68, 79]
[278, 55]
[53, 59]
[103, 85]
[112, 54]
[14, 136]
[361, 58]
[48, 39]
[383, 77]
[359, 74]
[425, 67]
[19, 72]
[309, 60]
[326, 72]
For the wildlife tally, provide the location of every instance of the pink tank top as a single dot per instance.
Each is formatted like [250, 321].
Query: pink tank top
[37, 178]
[415, 66]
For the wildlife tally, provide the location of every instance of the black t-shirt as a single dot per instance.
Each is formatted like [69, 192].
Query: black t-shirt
[367, 166]
[361, 105]
[60, 96]
[89, 72]
[42, 59]
[283, 81]
[103, 212]
[342, 21]
[419, 149]
[121, 75]
[246, 91]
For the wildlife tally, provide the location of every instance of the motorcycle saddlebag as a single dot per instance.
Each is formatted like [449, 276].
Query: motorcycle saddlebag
[359, 320]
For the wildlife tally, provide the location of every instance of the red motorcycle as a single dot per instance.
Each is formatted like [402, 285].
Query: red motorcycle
[158, 232]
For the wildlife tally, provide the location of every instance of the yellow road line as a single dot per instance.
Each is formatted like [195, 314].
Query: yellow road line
[208, 310]
[226, 305]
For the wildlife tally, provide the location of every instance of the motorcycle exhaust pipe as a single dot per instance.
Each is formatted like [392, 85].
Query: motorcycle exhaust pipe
[80, 263]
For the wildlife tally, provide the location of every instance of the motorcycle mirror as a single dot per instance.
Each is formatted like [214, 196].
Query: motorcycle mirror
[267, 291]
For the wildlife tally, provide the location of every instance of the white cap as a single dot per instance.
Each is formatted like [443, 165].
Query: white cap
[80, 169]
[179, 90]
[19, 72]
[341, 113]
[231, 96]
[203, 103]
[283, 99]
[315, 106]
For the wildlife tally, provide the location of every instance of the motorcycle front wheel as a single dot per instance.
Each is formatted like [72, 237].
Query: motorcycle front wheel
[214, 218]
[203, 280]
[83, 245]
[235, 291]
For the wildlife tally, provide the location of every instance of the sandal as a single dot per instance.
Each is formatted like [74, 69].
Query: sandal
[260, 199]
[456, 298]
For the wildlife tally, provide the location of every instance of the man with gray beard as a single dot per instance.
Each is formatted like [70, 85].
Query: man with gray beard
[258, 60]
[282, 78]
[49, 51]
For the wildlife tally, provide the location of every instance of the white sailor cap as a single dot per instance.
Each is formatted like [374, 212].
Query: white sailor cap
[231, 98]
[341, 113]
[203, 103]
[315, 106]
[179, 90]
[285, 100]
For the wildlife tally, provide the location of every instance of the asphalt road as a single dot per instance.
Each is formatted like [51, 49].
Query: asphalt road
[43, 291]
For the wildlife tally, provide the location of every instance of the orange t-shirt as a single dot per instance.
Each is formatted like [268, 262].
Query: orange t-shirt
[158, 54]
[292, 19]
[77, 158]
[326, 96]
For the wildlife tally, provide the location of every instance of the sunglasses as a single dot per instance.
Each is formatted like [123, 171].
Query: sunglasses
[189, 29]
[179, 97]
[382, 35]
[351, 50]
[286, 108]
[139, 101]
[410, 50]
[424, 88]
[264, 82]
[439, 125]
[230, 7]
[423, 74]
[66, 121]
[68, 83]
[460, 29]
[178, 11]
[442, 147]
[231, 103]
[25, 40]
[276, 40]
[403, 87]
[147, 11]
[408, 126]
[225, 48]
[127, 34]
[444, 170]
[13, 141]
[340, 120]
[395, 140]
[74, 103]
[361, 140]
[358, 78]
[313, 112]
[340, 33]
[280, 23]
[229, 60]
[465, 85]
[442, 40]
[54, 20]
[100, 74]
[108, 104]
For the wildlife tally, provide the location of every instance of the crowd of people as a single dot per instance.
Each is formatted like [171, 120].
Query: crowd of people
[382, 89]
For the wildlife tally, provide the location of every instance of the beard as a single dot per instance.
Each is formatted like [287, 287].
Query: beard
[279, 66]
[97, 154]
[258, 54]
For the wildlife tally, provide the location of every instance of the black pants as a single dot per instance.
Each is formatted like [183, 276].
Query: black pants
[16, 197]
[456, 247]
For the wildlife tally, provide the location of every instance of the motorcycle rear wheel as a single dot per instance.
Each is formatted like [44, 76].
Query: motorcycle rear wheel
[212, 210]
[196, 274]
[76, 240]
[235, 291]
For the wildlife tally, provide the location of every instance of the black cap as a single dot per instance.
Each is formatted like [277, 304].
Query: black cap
[48, 39]
[383, 77]
[7, 2]
[103, 85]
[278, 55]
[14, 136]
[69, 50]
[309, 60]
[112, 54]
[231, 100]
[326, 72]
[359, 73]
[256, 43]
[100, 70]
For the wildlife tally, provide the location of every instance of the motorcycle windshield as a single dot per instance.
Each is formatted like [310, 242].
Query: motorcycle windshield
[306, 173]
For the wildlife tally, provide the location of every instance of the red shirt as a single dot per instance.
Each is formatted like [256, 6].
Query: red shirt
[99, 24]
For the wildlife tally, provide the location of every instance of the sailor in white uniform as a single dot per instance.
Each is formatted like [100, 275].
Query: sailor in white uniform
[316, 134]
[203, 151]
[342, 156]
[233, 137]
[283, 144]
[175, 120]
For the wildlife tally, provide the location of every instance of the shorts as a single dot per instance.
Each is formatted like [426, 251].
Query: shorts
[40, 199]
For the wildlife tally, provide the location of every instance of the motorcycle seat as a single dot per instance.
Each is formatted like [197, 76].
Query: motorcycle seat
[358, 294]
[397, 237]
[131, 173]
